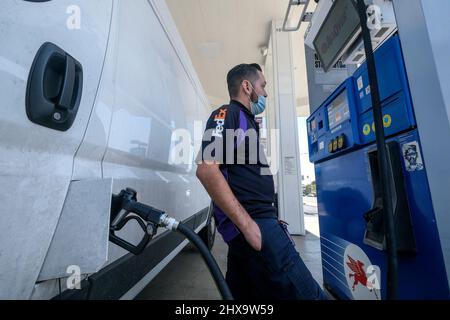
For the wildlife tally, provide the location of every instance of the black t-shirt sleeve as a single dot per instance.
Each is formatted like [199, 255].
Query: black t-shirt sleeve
[214, 144]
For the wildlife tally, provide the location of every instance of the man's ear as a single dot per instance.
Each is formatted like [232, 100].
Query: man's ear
[246, 87]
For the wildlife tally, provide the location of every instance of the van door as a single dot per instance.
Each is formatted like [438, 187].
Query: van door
[51, 58]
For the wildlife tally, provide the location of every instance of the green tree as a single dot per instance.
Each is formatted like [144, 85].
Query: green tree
[307, 189]
[313, 187]
[310, 188]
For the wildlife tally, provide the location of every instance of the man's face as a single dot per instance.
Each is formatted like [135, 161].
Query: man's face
[260, 85]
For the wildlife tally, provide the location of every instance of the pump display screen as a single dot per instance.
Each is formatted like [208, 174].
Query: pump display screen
[338, 110]
[341, 25]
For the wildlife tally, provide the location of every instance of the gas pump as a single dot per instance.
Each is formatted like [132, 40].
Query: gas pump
[379, 237]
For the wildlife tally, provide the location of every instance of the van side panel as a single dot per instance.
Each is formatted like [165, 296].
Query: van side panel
[36, 162]
[155, 99]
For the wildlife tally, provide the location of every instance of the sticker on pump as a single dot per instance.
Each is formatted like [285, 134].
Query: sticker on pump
[321, 145]
[360, 83]
[412, 156]
[363, 278]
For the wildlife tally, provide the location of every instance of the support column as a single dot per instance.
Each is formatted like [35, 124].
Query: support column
[290, 198]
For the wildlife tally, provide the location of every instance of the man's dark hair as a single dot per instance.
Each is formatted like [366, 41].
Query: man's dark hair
[240, 73]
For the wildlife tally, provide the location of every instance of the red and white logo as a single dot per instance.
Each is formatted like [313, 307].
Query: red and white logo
[220, 122]
[363, 278]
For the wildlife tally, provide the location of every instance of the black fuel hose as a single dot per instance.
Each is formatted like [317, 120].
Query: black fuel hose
[209, 260]
[387, 191]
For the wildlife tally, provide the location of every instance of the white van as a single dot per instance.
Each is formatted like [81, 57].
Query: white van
[91, 93]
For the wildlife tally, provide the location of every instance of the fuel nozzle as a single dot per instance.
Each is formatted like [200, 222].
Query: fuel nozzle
[124, 208]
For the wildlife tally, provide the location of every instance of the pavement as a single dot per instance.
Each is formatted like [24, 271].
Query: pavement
[310, 205]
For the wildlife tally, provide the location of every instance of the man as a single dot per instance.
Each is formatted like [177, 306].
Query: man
[262, 261]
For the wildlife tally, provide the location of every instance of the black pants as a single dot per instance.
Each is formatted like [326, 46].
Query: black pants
[277, 272]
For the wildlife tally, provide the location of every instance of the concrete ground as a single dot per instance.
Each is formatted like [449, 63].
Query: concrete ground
[186, 277]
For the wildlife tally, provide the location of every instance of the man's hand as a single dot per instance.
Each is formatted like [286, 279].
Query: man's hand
[252, 234]
[219, 190]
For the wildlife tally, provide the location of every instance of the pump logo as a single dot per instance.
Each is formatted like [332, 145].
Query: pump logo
[359, 274]
[363, 278]
[219, 119]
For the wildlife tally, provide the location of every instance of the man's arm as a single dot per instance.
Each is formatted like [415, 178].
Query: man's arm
[219, 190]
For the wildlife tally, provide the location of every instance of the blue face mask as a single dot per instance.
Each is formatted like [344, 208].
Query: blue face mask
[259, 106]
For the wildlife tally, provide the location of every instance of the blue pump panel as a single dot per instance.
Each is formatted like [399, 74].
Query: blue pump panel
[332, 128]
[396, 101]
[349, 189]
[391, 74]
[396, 119]
[347, 114]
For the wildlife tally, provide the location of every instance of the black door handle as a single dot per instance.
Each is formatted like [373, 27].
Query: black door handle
[67, 88]
[54, 90]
